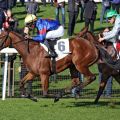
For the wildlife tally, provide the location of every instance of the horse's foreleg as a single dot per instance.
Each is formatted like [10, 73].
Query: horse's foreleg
[28, 77]
[45, 83]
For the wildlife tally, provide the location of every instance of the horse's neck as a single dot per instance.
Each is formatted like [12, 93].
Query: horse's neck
[19, 44]
[92, 38]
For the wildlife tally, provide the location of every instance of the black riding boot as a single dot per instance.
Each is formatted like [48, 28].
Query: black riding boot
[50, 48]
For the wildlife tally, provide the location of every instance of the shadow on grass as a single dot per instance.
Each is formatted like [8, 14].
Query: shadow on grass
[92, 104]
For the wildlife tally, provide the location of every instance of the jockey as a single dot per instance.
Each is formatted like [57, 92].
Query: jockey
[111, 36]
[47, 29]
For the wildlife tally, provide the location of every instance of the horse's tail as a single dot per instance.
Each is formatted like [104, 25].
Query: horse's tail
[108, 59]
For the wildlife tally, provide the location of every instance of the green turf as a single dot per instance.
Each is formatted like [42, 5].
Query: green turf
[65, 109]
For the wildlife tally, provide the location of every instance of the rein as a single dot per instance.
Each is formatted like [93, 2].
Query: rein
[7, 37]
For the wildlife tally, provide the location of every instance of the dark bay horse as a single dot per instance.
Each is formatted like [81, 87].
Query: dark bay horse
[83, 54]
[105, 69]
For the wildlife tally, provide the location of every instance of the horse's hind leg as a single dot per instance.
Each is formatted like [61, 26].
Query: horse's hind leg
[103, 83]
[89, 76]
[74, 76]
[75, 82]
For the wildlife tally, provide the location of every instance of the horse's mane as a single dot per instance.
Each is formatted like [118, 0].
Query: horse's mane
[23, 39]
[95, 37]
[18, 35]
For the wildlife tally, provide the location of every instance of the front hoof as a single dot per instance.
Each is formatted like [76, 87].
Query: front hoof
[32, 98]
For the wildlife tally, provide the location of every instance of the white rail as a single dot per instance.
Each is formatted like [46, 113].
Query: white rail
[7, 51]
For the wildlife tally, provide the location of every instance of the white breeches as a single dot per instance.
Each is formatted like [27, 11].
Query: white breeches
[55, 33]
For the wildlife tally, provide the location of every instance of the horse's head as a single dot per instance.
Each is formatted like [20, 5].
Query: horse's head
[5, 39]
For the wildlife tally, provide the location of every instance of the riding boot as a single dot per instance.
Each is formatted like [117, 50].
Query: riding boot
[50, 49]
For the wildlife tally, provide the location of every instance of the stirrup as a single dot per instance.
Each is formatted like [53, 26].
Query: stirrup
[53, 55]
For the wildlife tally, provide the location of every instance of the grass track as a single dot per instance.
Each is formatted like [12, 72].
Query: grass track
[65, 109]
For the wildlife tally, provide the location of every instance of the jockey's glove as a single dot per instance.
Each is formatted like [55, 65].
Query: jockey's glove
[28, 37]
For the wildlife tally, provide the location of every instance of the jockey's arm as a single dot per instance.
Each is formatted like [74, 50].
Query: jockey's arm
[26, 30]
[40, 36]
[111, 35]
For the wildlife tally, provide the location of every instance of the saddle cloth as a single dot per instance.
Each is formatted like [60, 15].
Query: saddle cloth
[61, 48]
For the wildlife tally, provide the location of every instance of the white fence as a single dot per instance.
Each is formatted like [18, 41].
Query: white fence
[6, 51]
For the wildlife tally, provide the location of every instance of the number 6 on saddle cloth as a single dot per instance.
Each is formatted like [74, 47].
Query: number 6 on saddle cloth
[59, 46]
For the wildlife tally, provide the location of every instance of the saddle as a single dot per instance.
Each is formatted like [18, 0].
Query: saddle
[111, 50]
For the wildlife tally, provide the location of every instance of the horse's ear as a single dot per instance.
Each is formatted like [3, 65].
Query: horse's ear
[85, 28]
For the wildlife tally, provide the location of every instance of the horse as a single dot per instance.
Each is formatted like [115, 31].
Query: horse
[83, 55]
[106, 69]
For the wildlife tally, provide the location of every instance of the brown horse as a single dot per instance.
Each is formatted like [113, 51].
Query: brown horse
[83, 54]
[104, 68]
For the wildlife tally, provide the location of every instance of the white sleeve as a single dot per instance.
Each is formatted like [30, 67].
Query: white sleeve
[112, 34]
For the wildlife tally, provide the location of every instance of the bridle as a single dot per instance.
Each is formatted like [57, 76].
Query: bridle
[5, 39]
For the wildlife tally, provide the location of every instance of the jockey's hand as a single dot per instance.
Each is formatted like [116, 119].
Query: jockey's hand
[101, 39]
[28, 37]
[106, 30]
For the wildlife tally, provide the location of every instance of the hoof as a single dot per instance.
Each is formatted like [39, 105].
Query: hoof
[22, 96]
[56, 99]
[95, 102]
[32, 98]
[76, 92]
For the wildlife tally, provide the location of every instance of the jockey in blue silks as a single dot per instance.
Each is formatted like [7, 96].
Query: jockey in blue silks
[47, 29]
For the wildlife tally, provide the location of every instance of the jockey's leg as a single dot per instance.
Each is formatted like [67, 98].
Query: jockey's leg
[50, 47]
[51, 36]
[59, 32]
